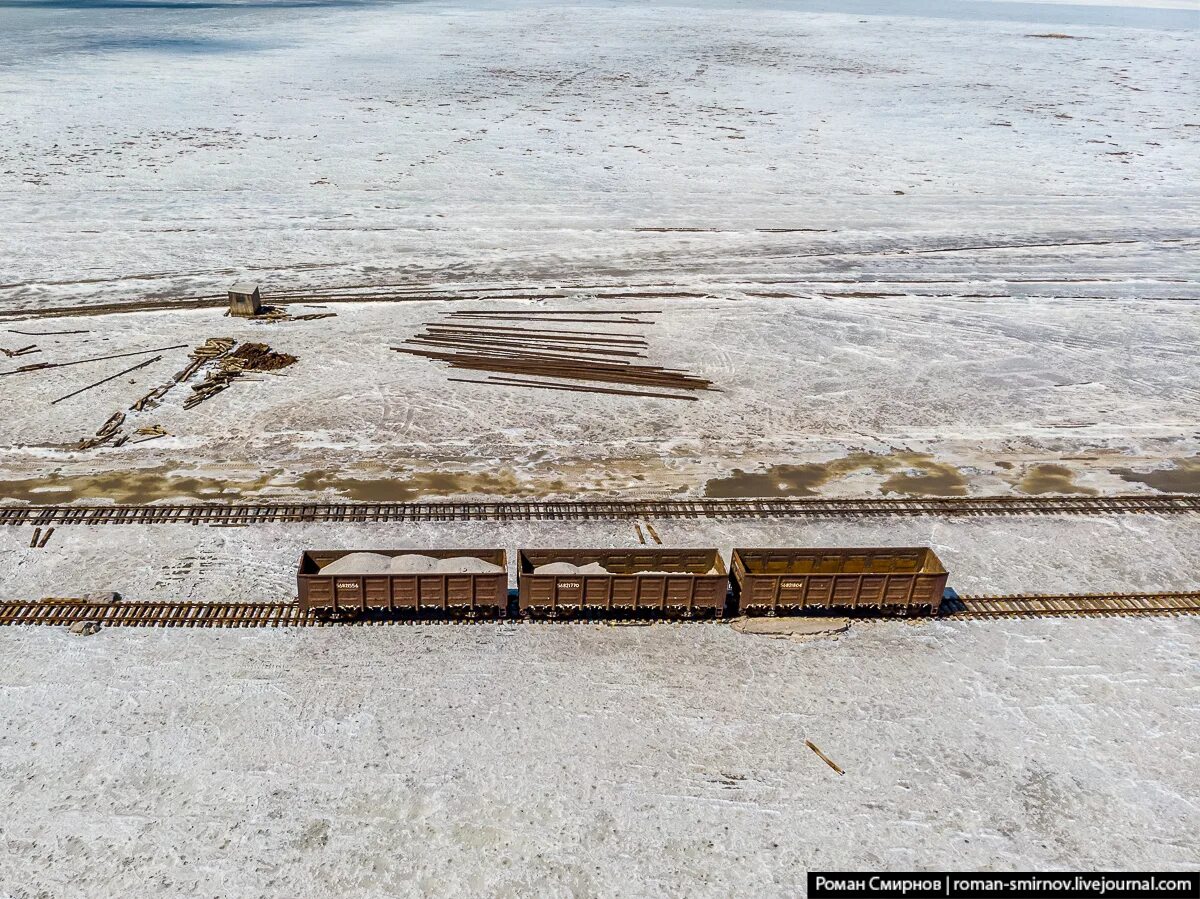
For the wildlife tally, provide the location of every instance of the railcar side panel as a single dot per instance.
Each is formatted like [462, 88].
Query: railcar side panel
[771, 581]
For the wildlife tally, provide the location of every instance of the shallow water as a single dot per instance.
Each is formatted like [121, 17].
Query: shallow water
[910, 473]
[154, 485]
[1183, 477]
[1048, 478]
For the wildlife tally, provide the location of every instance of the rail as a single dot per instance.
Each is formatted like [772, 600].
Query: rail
[1071, 605]
[191, 614]
[585, 510]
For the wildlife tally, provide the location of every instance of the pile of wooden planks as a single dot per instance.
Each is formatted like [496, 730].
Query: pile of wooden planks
[523, 352]
[107, 433]
[281, 314]
[232, 365]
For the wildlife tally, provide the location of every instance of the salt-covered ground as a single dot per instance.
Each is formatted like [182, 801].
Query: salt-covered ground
[584, 760]
[921, 246]
[977, 397]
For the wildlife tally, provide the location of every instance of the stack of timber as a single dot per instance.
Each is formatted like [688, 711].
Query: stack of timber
[590, 316]
[550, 358]
[232, 365]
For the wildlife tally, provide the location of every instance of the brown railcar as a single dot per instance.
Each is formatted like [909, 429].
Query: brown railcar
[434, 592]
[689, 589]
[772, 581]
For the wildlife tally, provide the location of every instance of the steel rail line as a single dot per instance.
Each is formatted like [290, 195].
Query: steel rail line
[1071, 605]
[585, 510]
[65, 612]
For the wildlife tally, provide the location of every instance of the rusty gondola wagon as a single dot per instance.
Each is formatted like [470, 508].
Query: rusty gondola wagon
[908, 580]
[443, 593]
[672, 583]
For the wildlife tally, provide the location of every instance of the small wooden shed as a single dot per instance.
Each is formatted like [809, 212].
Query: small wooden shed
[245, 299]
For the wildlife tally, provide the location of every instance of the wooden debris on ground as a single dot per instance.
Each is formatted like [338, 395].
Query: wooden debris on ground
[212, 349]
[233, 365]
[149, 432]
[44, 333]
[151, 399]
[108, 431]
[126, 371]
[280, 314]
[39, 366]
[256, 357]
[551, 358]
[826, 759]
[45, 538]
[270, 314]
[213, 384]
[22, 351]
[230, 365]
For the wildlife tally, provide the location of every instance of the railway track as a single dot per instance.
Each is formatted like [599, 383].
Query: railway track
[1071, 605]
[583, 510]
[65, 612]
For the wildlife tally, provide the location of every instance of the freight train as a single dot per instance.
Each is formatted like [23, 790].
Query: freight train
[669, 583]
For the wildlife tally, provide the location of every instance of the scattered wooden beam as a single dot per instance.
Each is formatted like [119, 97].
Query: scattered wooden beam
[826, 759]
[541, 312]
[580, 321]
[44, 333]
[575, 388]
[584, 336]
[149, 432]
[132, 368]
[575, 370]
[38, 366]
[22, 351]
